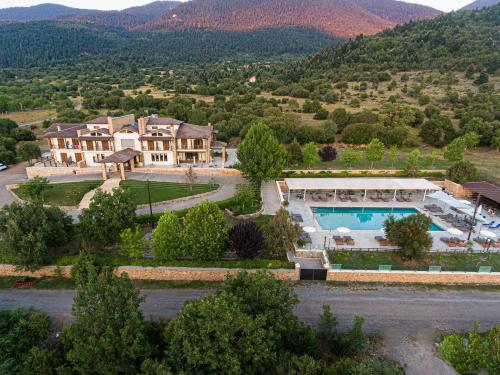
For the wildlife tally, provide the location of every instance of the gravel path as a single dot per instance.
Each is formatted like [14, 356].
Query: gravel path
[407, 318]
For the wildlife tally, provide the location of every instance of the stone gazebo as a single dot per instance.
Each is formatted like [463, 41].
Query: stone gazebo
[123, 160]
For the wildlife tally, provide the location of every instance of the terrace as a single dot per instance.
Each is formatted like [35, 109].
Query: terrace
[332, 209]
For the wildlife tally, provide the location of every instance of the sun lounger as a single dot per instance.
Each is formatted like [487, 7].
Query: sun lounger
[400, 199]
[384, 199]
[305, 237]
[343, 199]
[338, 240]
[349, 241]
[382, 241]
[298, 218]
[494, 226]
[407, 199]
[353, 198]
[375, 199]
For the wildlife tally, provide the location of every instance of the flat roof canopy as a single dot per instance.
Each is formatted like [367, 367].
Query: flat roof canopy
[486, 189]
[360, 184]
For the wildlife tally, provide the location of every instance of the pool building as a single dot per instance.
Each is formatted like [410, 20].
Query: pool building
[358, 207]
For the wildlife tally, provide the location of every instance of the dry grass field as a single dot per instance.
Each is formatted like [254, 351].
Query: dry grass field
[30, 117]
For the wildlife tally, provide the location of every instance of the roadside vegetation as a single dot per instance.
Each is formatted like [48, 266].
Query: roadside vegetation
[253, 329]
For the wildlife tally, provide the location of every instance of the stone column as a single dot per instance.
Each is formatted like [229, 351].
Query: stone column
[115, 167]
[132, 165]
[174, 149]
[104, 172]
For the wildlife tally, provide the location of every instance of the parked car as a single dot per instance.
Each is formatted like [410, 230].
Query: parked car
[2, 167]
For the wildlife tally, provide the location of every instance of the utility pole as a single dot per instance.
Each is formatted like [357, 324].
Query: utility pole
[474, 216]
[150, 206]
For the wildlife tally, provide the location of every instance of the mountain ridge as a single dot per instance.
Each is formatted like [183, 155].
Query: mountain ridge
[478, 4]
[342, 18]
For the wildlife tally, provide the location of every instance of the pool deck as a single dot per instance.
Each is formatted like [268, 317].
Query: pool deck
[365, 239]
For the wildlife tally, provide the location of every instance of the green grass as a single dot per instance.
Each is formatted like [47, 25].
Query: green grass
[448, 262]
[65, 194]
[243, 264]
[162, 191]
[63, 283]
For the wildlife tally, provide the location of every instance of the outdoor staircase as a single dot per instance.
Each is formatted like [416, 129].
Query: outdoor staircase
[107, 187]
[270, 198]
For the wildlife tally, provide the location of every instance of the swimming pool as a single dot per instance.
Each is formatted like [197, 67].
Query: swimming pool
[360, 218]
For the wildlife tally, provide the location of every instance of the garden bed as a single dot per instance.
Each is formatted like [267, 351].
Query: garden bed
[358, 260]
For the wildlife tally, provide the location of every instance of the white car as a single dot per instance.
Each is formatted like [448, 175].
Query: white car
[2, 167]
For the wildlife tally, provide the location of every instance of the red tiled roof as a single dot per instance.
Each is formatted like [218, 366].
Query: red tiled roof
[189, 131]
[162, 121]
[102, 120]
[63, 130]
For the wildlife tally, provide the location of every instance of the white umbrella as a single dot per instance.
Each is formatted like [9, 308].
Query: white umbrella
[455, 231]
[488, 234]
[309, 229]
[343, 230]
[464, 201]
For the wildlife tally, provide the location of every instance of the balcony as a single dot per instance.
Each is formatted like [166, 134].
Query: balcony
[66, 147]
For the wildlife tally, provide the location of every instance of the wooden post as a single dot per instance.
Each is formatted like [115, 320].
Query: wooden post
[122, 171]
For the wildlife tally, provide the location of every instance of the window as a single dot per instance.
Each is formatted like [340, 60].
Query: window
[158, 158]
[127, 143]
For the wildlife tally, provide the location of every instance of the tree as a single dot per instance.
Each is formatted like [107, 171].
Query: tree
[455, 150]
[328, 153]
[393, 155]
[107, 336]
[261, 156]
[6, 126]
[462, 172]
[190, 178]
[205, 231]
[107, 216]
[375, 151]
[7, 157]
[411, 165]
[340, 117]
[438, 131]
[350, 156]
[29, 151]
[295, 152]
[495, 142]
[311, 106]
[21, 331]
[410, 234]
[482, 79]
[133, 243]
[322, 114]
[246, 240]
[35, 188]
[471, 140]
[214, 335]
[167, 237]
[246, 195]
[22, 134]
[328, 131]
[281, 234]
[310, 155]
[28, 232]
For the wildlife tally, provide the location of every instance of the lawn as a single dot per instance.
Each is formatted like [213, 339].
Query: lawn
[448, 262]
[162, 191]
[65, 194]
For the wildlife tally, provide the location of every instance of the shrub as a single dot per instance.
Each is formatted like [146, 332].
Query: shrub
[133, 243]
[462, 172]
[327, 153]
[322, 114]
[205, 232]
[295, 152]
[281, 234]
[246, 240]
[167, 237]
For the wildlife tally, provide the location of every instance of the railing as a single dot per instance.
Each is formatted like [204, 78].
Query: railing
[65, 147]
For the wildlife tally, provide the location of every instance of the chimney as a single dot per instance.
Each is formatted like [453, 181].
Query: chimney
[58, 128]
[110, 125]
[78, 133]
[142, 126]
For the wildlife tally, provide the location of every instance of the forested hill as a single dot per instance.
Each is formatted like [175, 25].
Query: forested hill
[478, 4]
[48, 42]
[452, 41]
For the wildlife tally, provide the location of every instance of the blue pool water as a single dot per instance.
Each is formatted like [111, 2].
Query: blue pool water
[359, 218]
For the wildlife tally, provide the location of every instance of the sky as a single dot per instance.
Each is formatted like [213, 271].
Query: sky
[445, 5]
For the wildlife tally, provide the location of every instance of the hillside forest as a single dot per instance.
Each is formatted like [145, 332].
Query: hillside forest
[429, 85]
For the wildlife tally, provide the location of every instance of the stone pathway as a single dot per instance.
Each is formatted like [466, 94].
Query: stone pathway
[270, 198]
[107, 187]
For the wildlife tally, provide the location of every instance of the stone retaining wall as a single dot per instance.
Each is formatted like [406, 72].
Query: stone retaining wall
[230, 213]
[415, 277]
[59, 171]
[178, 200]
[211, 172]
[152, 273]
